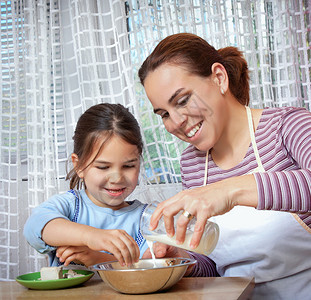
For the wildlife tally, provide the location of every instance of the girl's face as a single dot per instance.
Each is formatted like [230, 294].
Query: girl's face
[190, 106]
[113, 175]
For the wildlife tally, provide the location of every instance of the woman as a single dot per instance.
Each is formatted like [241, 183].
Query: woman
[243, 168]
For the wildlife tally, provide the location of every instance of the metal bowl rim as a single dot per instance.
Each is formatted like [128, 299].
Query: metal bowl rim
[189, 261]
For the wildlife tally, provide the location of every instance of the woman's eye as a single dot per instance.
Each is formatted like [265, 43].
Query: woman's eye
[183, 101]
[164, 114]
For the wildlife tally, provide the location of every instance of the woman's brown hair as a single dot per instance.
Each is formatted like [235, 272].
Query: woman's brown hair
[102, 120]
[197, 57]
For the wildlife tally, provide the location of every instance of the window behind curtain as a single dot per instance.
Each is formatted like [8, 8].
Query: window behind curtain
[72, 54]
[273, 35]
[13, 115]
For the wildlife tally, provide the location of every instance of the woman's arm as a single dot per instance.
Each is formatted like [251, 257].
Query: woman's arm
[205, 267]
[289, 190]
[283, 190]
[204, 202]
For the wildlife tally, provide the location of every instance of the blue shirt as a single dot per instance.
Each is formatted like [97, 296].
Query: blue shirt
[77, 207]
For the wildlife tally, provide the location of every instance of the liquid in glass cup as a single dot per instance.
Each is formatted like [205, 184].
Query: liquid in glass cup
[208, 241]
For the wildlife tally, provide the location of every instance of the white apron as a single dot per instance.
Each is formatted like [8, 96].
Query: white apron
[274, 247]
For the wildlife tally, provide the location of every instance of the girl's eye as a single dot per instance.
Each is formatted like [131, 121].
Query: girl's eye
[129, 166]
[102, 167]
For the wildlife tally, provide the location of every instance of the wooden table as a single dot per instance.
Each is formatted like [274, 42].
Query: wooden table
[194, 288]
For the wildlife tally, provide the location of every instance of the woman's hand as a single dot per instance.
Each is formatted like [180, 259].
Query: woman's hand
[81, 255]
[203, 203]
[115, 241]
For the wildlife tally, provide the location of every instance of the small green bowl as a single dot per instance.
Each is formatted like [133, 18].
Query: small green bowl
[31, 280]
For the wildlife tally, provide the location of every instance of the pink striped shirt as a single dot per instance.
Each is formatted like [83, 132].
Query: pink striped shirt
[283, 138]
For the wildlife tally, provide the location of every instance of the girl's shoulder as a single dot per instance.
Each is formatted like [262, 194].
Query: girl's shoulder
[134, 205]
[62, 201]
[68, 196]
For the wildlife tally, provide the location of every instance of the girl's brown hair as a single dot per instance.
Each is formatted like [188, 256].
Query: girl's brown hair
[198, 56]
[102, 120]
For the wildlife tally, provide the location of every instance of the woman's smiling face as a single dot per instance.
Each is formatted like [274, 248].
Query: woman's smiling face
[189, 105]
[113, 175]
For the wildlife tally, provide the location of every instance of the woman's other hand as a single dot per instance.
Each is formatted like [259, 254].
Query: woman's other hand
[204, 202]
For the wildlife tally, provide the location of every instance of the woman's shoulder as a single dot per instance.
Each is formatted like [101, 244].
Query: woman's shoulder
[192, 152]
[278, 117]
[192, 156]
[284, 112]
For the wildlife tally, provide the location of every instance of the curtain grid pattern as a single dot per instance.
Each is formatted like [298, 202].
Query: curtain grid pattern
[60, 57]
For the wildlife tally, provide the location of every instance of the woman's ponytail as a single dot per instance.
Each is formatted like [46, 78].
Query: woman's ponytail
[237, 69]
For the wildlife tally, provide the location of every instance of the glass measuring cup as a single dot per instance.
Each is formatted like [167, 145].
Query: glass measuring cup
[208, 241]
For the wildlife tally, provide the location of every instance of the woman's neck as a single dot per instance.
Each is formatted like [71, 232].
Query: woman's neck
[235, 140]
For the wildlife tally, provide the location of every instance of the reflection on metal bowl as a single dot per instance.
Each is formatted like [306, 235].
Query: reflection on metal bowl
[144, 276]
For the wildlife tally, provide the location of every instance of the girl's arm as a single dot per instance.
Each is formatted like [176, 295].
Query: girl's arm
[62, 232]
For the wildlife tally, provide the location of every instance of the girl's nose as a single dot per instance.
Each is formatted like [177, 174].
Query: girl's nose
[115, 177]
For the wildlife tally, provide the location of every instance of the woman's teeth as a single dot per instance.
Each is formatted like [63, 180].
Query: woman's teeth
[194, 131]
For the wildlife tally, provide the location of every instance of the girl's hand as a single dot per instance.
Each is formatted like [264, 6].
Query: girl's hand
[115, 241]
[61, 232]
[162, 250]
[203, 203]
[81, 255]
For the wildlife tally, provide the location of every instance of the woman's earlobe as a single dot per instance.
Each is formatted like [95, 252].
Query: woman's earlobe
[220, 77]
[219, 72]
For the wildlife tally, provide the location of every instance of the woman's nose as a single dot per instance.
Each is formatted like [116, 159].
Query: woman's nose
[178, 119]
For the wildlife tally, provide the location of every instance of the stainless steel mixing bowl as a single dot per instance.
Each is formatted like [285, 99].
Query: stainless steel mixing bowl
[144, 277]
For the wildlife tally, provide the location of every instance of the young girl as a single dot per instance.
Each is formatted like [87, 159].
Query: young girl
[93, 222]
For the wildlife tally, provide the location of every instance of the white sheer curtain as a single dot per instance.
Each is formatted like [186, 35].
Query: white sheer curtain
[60, 57]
